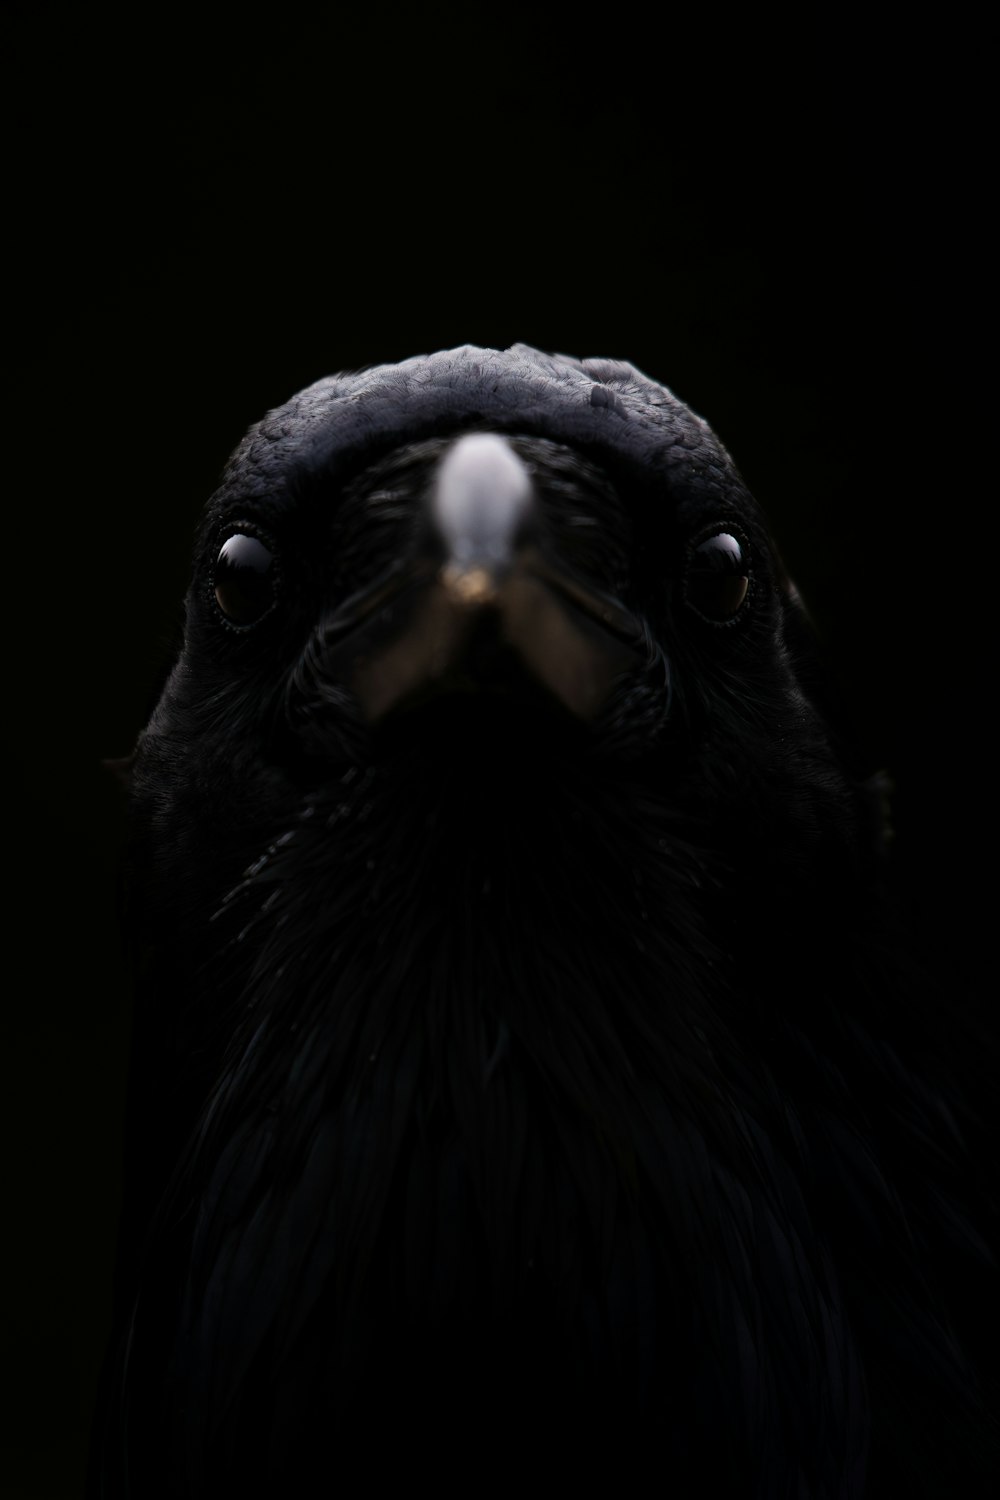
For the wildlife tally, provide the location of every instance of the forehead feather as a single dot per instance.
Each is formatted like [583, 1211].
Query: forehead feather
[630, 425]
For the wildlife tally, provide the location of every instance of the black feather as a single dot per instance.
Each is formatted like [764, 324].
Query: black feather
[517, 1094]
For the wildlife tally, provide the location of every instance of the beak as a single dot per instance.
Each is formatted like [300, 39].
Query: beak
[482, 607]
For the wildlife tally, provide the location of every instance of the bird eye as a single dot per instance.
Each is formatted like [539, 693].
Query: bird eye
[718, 578]
[244, 579]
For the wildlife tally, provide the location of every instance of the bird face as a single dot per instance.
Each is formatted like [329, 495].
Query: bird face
[623, 585]
[479, 833]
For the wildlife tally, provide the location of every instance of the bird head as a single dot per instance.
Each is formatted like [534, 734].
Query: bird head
[487, 550]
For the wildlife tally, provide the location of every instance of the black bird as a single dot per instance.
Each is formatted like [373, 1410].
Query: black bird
[530, 1080]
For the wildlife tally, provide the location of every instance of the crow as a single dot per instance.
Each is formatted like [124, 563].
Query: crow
[531, 1080]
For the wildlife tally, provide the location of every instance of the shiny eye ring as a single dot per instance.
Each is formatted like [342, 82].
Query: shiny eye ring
[717, 577]
[244, 579]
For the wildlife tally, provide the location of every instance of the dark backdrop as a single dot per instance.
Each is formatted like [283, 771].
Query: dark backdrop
[778, 223]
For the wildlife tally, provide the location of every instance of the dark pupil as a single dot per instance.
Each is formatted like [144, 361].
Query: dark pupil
[717, 579]
[243, 583]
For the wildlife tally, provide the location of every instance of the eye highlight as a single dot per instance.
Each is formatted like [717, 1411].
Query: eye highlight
[244, 579]
[717, 576]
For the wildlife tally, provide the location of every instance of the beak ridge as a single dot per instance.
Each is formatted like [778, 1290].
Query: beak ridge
[481, 499]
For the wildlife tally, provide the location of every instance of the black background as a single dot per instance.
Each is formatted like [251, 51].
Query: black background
[779, 223]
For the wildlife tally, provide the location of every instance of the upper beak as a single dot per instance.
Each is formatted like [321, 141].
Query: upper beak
[482, 604]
